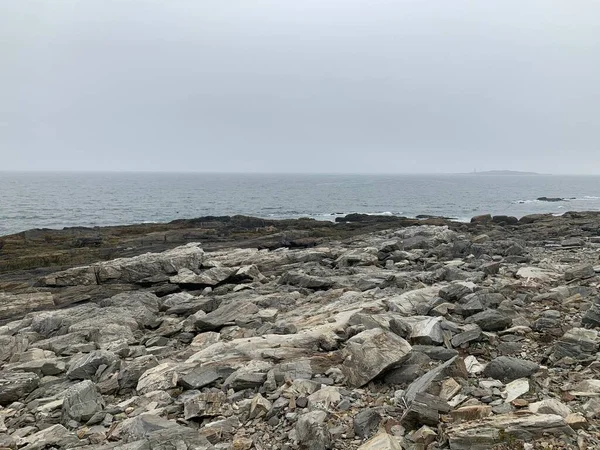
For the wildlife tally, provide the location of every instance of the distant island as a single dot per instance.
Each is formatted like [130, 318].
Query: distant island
[500, 172]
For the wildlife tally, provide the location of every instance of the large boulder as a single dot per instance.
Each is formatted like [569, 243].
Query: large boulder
[81, 402]
[15, 386]
[370, 353]
[507, 368]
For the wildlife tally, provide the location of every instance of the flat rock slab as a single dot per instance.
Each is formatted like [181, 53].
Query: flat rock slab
[485, 433]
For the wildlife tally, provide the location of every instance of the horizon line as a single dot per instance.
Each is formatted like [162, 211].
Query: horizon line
[191, 172]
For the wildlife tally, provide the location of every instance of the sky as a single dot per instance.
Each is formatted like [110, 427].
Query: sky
[349, 86]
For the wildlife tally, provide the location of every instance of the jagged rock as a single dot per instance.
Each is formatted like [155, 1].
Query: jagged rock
[159, 378]
[473, 412]
[53, 436]
[490, 320]
[381, 441]
[210, 277]
[131, 371]
[206, 404]
[225, 314]
[427, 332]
[312, 432]
[366, 422]
[424, 409]
[577, 343]
[259, 407]
[81, 402]
[357, 258]
[455, 291]
[592, 315]
[506, 368]
[471, 333]
[370, 353]
[485, 433]
[400, 327]
[86, 366]
[15, 386]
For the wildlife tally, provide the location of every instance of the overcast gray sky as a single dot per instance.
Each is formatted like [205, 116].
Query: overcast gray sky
[300, 86]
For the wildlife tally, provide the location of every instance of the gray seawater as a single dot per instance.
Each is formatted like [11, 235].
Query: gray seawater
[57, 200]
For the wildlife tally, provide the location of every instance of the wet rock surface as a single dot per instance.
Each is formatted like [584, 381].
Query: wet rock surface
[470, 336]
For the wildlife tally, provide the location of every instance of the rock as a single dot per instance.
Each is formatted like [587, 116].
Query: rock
[455, 291]
[12, 305]
[491, 268]
[325, 398]
[370, 353]
[86, 366]
[81, 402]
[507, 368]
[577, 343]
[400, 327]
[490, 320]
[312, 432]
[515, 389]
[366, 422]
[159, 378]
[129, 270]
[427, 332]
[423, 383]
[15, 386]
[579, 272]
[484, 218]
[550, 406]
[356, 258]
[225, 314]
[131, 371]
[259, 407]
[305, 281]
[576, 421]
[485, 433]
[210, 277]
[536, 274]
[471, 333]
[207, 404]
[381, 441]
[592, 315]
[424, 409]
[469, 413]
[53, 436]
[199, 377]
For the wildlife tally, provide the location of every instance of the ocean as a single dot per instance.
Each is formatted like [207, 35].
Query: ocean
[57, 200]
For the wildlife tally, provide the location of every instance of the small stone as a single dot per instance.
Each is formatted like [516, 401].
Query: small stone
[516, 388]
[507, 368]
[366, 422]
[576, 421]
[467, 413]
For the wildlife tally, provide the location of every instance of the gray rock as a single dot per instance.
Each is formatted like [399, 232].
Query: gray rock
[305, 281]
[579, 272]
[129, 270]
[86, 366]
[51, 437]
[366, 422]
[211, 277]
[577, 343]
[484, 434]
[131, 371]
[81, 402]
[506, 368]
[225, 314]
[454, 291]
[14, 386]
[490, 320]
[436, 353]
[206, 404]
[12, 305]
[592, 315]
[471, 333]
[400, 327]
[312, 432]
[427, 332]
[370, 353]
[199, 377]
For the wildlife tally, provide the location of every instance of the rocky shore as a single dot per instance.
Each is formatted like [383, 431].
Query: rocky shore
[374, 333]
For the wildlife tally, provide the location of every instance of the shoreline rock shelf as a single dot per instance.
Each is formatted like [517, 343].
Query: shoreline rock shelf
[413, 336]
